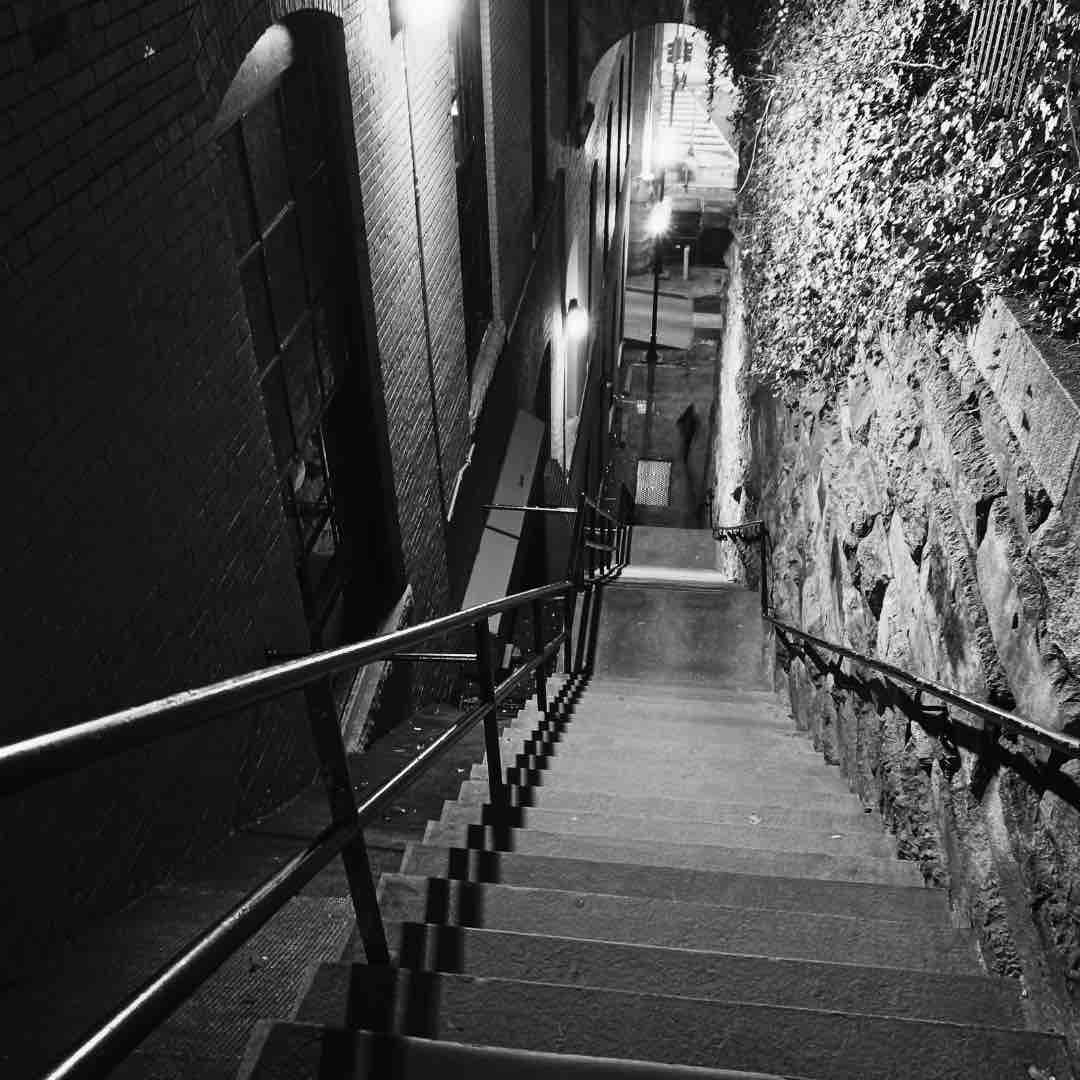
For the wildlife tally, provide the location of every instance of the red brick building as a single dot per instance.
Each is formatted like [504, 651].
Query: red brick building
[277, 277]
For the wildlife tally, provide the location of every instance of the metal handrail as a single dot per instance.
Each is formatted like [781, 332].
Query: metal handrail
[1061, 744]
[56, 752]
[1008, 721]
[31, 761]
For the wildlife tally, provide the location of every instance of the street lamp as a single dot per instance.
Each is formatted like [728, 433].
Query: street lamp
[657, 227]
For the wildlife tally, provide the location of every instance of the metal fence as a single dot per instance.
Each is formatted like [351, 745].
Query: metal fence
[1001, 46]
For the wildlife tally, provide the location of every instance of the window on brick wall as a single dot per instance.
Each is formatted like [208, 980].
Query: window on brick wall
[287, 196]
[471, 163]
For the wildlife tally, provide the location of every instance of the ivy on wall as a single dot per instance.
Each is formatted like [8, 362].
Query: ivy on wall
[880, 184]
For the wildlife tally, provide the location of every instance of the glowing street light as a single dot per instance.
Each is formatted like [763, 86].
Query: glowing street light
[577, 321]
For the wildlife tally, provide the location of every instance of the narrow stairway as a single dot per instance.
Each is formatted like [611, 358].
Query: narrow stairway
[679, 887]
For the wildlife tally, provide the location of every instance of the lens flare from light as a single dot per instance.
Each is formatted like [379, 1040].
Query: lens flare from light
[659, 219]
[426, 14]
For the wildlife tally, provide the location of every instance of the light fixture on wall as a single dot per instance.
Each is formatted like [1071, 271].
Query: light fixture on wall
[577, 321]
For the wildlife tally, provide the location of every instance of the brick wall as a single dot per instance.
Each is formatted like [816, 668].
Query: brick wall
[507, 31]
[148, 552]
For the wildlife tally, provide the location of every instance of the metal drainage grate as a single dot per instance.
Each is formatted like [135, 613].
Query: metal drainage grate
[653, 483]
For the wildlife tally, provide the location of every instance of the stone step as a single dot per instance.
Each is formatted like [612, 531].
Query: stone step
[607, 730]
[739, 715]
[683, 693]
[297, 1051]
[707, 886]
[614, 826]
[666, 756]
[661, 747]
[761, 980]
[743, 788]
[688, 856]
[846, 815]
[655, 723]
[806, 1043]
[692, 780]
[639, 920]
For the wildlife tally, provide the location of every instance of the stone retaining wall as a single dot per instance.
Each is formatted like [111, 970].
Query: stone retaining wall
[927, 514]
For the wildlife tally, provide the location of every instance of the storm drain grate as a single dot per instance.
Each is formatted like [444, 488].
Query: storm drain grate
[653, 483]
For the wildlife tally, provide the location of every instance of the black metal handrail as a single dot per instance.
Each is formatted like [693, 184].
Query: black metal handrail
[1061, 744]
[55, 753]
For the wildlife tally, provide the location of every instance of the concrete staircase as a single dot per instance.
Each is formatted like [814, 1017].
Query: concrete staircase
[679, 886]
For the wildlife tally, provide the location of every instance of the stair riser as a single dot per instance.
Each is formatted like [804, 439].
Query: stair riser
[692, 856]
[792, 1042]
[307, 1052]
[731, 890]
[867, 991]
[648, 921]
[758, 837]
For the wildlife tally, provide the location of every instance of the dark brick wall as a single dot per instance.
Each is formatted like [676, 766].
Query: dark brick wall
[510, 164]
[147, 552]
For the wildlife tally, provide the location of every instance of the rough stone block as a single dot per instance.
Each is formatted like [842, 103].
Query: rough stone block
[1037, 387]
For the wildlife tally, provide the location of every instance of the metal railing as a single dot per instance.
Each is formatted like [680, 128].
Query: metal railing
[1002, 44]
[599, 549]
[992, 719]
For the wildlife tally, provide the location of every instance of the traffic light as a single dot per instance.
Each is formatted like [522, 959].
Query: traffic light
[671, 52]
[688, 51]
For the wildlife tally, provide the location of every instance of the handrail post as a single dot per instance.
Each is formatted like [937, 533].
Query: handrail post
[496, 791]
[569, 604]
[334, 770]
[538, 648]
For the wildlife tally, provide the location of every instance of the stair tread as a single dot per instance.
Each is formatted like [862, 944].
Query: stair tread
[709, 886]
[703, 856]
[726, 834]
[302, 1051]
[704, 782]
[717, 976]
[672, 808]
[663, 744]
[809, 1043]
[652, 921]
[657, 752]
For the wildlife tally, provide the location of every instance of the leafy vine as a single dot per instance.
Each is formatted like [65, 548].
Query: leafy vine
[885, 185]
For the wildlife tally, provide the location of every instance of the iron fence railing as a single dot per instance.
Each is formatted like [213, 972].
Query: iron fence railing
[600, 548]
[1002, 45]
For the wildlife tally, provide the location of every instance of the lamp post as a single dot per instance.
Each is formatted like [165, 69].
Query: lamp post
[657, 226]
